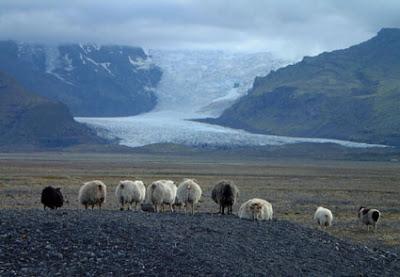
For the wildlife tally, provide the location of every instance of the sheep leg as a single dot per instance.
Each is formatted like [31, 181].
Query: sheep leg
[172, 209]
[86, 206]
[136, 206]
[223, 209]
[192, 208]
[92, 206]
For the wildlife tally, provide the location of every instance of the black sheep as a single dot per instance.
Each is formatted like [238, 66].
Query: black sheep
[225, 193]
[52, 198]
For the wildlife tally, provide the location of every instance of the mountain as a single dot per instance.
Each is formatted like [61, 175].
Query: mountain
[91, 80]
[351, 94]
[30, 120]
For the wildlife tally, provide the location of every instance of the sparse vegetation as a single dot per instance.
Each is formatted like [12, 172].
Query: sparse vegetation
[295, 188]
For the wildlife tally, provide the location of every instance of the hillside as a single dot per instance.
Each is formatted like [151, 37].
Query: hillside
[30, 120]
[350, 94]
[91, 80]
[73, 242]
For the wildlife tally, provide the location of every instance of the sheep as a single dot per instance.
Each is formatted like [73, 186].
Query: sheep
[225, 194]
[256, 209]
[92, 193]
[52, 198]
[323, 217]
[161, 192]
[189, 193]
[128, 192]
[369, 217]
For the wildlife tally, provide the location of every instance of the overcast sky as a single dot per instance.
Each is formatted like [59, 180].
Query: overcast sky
[288, 28]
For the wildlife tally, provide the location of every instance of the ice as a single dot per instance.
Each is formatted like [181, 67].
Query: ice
[170, 127]
[193, 80]
[140, 63]
[197, 84]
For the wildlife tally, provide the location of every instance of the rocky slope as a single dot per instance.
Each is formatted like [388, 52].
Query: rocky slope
[34, 121]
[93, 243]
[91, 80]
[350, 94]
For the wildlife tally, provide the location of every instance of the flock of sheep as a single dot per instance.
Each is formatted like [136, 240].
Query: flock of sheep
[187, 194]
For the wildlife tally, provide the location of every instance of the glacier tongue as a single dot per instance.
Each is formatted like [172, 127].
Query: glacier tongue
[192, 80]
[170, 127]
[198, 84]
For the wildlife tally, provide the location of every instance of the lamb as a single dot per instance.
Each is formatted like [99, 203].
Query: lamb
[92, 193]
[189, 193]
[256, 209]
[52, 198]
[369, 217]
[128, 192]
[323, 217]
[161, 192]
[225, 194]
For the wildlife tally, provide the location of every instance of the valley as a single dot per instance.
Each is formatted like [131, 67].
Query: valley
[195, 85]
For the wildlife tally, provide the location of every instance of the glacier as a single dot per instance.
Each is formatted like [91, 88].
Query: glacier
[198, 84]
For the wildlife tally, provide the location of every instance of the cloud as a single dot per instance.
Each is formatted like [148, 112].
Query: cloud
[288, 28]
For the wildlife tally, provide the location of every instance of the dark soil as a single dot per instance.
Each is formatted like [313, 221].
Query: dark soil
[90, 243]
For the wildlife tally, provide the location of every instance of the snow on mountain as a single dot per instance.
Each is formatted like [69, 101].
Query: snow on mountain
[92, 80]
[197, 84]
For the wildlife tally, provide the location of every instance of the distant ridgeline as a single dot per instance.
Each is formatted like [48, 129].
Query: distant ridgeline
[350, 94]
[35, 122]
[90, 80]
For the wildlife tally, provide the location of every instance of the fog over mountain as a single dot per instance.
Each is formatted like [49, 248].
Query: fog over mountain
[288, 28]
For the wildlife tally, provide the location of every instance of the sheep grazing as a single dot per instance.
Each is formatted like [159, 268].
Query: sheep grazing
[323, 217]
[189, 193]
[92, 193]
[369, 217]
[52, 198]
[161, 192]
[225, 194]
[129, 192]
[256, 209]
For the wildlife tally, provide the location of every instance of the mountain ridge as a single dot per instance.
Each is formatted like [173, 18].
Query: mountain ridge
[32, 121]
[91, 80]
[350, 94]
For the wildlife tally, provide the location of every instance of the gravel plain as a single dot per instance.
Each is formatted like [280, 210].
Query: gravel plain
[66, 242]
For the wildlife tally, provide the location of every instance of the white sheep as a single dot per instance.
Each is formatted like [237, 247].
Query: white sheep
[256, 209]
[92, 193]
[161, 192]
[189, 193]
[128, 192]
[323, 216]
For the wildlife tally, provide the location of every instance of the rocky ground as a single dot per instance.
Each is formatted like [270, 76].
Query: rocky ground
[34, 242]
